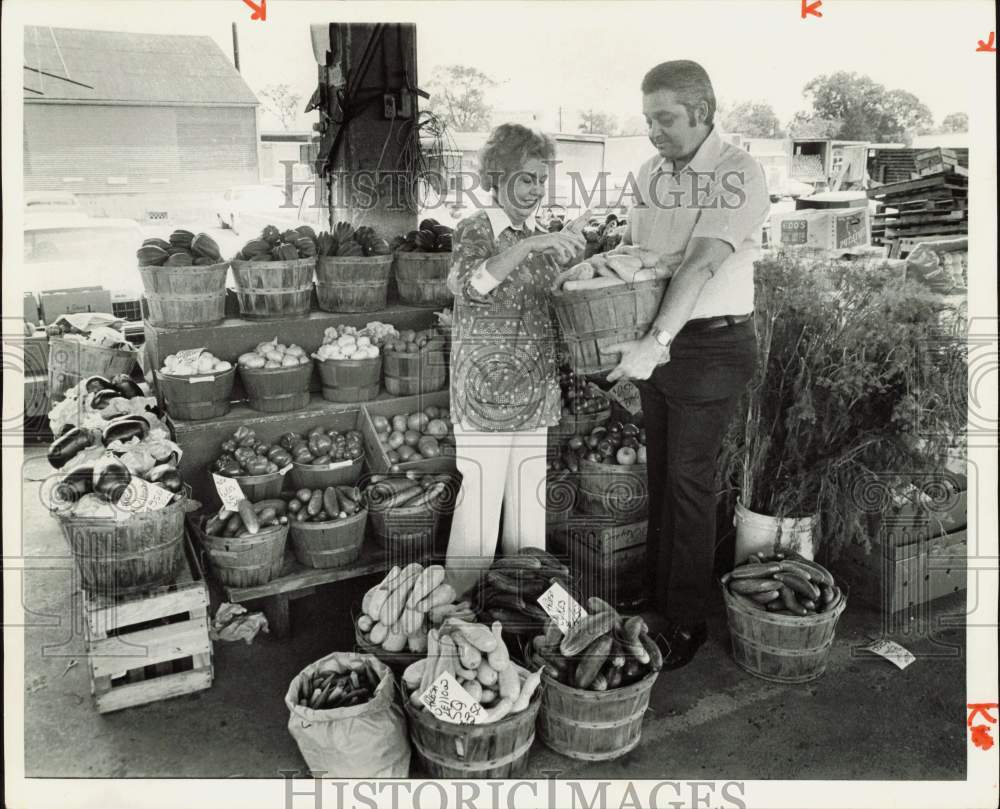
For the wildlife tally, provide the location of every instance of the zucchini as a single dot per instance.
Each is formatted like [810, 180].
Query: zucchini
[592, 660]
[249, 516]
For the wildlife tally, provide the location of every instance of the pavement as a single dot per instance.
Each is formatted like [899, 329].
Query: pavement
[864, 719]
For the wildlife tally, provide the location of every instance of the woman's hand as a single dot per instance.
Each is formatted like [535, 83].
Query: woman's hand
[563, 245]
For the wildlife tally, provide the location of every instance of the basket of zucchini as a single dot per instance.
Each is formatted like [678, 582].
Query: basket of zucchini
[598, 678]
[245, 547]
[327, 526]
[406, 510]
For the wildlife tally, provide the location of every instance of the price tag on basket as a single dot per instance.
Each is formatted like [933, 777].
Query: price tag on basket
[449, 702]
[627, 395]
[229, 491]
[561, 606]
[140, 496]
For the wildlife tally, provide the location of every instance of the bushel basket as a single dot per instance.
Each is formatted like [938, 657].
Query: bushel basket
[127, 557]
[593, 725]
[245, 561]
[271, 290]
[780, 648]
[185, 297]
[492, 750]
[198, 397]
[352, 283]
[277, 390]
[334, 543]
[350, 380]
[592, 319]
[422, 278]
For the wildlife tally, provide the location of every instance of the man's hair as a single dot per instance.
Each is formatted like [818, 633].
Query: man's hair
[508, 148]
[688, 80]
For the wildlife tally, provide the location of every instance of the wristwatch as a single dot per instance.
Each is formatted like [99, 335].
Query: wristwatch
[662, 336]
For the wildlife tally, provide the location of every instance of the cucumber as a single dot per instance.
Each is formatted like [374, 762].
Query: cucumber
[802, 587]
[330, 504]
[755, 571]
[748, 586]
[791, 603]
[249, 516]
[280, 506]
[233, 526]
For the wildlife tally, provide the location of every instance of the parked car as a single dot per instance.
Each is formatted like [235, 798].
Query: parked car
[72, 250]
[246, 209]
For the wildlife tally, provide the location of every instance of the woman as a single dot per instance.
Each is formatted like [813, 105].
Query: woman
[504, 375]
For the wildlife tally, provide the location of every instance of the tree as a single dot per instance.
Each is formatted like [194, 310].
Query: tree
[806, 125]
[458, 97]
[752, 119]
[955, 122]
[865, 108]
[594, 122]
[280, 101]
[912, 116]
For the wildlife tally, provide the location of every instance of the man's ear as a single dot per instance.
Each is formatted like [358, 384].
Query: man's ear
[701, 112]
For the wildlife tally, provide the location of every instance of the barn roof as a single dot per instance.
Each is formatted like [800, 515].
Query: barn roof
[128, 68]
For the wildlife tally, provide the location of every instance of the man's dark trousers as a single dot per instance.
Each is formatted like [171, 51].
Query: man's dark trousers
[687, 405]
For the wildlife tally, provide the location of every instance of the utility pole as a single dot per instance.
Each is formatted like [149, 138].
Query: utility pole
[236, 49]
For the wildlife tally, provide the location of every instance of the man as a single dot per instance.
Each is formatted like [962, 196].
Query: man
[702, 205]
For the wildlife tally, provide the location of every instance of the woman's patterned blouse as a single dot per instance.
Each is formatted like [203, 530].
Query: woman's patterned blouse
[504, 375]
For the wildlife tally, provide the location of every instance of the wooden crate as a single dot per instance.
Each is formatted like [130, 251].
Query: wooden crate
[608, 559]
[908, 567]
[152, 647]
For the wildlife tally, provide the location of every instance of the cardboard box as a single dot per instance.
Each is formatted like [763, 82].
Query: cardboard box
[56, 302]
[836, 229]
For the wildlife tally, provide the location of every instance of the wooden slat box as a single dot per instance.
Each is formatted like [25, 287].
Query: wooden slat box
[152, 647]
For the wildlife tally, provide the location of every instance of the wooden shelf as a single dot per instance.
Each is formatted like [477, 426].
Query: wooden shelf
[235, 336]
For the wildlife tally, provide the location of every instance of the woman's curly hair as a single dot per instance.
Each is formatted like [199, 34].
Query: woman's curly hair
[507, 149]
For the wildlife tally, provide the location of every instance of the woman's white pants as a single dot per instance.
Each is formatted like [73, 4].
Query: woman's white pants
[498, 470]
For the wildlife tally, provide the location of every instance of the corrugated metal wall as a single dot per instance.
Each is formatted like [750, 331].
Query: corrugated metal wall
[107, 148]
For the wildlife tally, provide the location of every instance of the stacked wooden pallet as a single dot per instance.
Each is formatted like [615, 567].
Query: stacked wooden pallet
[935, 205]
[151, 647]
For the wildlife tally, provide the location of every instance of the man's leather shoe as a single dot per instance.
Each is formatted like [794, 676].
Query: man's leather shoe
[680, 643]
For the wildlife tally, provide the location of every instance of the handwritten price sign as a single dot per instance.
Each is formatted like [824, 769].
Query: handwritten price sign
[140, 497]
[448, 701]
[561, 606]
[229, 491]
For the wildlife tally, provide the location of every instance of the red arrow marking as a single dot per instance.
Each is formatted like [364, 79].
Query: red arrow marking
[260, 11]
[807, 8]
[988, 46]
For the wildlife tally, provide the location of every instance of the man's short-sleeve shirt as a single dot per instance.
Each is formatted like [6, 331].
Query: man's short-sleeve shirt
[721, 194]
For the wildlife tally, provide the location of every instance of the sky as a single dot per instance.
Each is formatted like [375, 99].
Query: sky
[580, 55]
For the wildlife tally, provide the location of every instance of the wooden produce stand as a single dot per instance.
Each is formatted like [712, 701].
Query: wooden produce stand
[201, 440]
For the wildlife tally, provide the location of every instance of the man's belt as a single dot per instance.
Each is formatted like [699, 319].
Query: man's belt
[707, 323]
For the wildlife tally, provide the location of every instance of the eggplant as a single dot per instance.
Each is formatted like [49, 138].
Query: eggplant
[167, 476]
[94, 384]
[65, 448]
[103, 398]
[123, 429]
[70, 489]
[125, 386]
[111, 478]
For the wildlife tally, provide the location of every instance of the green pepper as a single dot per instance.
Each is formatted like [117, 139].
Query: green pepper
[242, 433]
[289, 440]
[229, 446]
[320, 444]
[258, 466]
